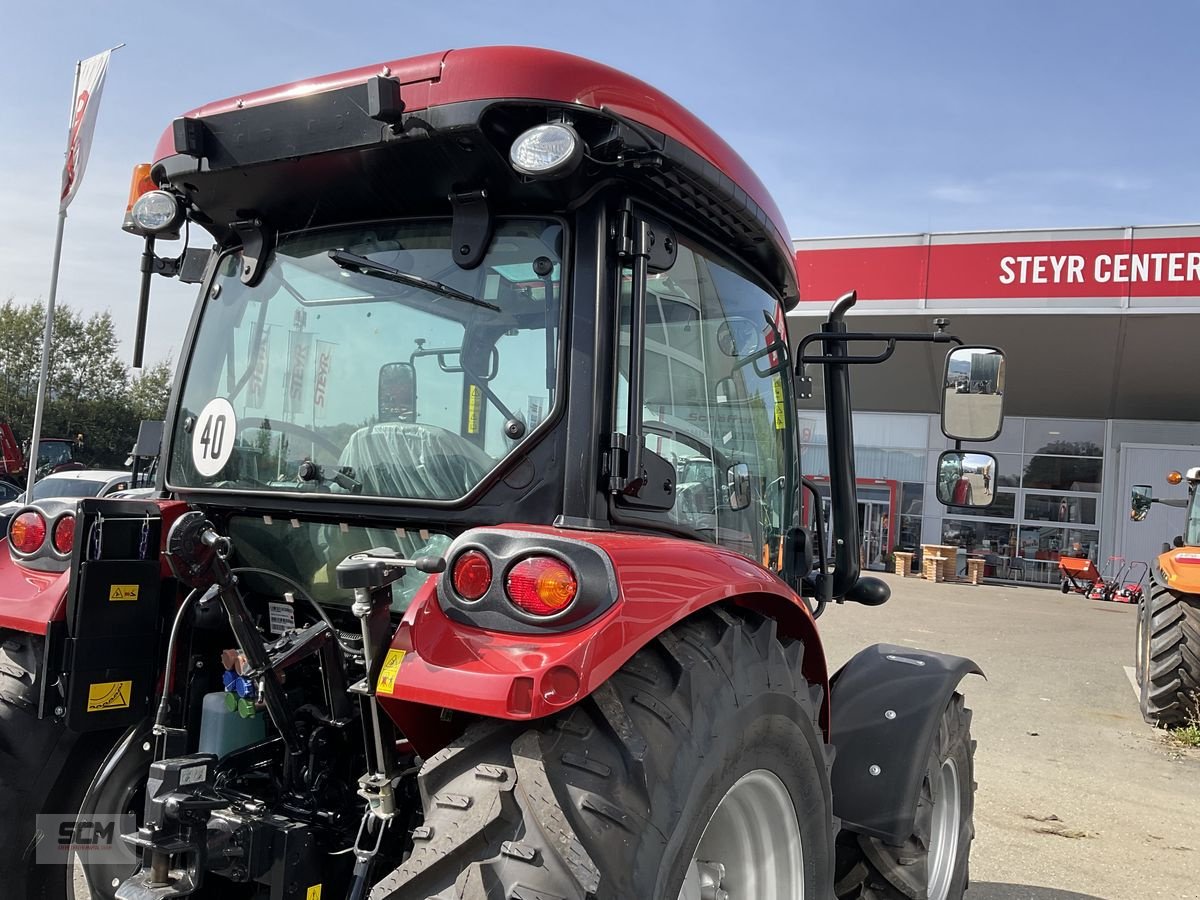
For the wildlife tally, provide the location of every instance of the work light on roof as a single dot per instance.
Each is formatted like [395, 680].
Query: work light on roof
[546, 151]
[156, 212]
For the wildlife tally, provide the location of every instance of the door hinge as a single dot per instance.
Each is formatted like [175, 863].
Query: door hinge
[616, 464]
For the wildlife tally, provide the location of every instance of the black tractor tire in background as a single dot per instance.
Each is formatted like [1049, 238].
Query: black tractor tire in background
[869, 869]
[1170, 687]
[609, 799]
[44, 770]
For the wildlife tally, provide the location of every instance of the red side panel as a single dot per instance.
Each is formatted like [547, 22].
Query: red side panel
[520, 676]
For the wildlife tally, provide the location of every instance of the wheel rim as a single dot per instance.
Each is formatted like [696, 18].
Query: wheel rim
[943, 845]
[751, 848]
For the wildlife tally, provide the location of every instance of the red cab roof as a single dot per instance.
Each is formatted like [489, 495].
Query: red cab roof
[493, 73]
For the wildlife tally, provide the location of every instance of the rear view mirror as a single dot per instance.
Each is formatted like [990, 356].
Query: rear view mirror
[397, 392]
[973, 394]
[1139, 502]
[737, 479]
[966, 479]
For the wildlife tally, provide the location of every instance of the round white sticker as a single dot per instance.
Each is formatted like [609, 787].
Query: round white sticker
[213, 435]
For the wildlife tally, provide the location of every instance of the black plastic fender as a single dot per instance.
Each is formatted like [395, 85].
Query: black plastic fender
[886, 704]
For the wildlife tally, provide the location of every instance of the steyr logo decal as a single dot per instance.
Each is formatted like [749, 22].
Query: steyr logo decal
[121, 592]
[107, 695]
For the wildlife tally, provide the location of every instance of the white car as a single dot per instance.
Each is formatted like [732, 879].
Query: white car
[69, 485]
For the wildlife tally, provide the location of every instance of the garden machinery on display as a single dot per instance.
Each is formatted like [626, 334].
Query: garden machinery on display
[415, 610]
[1168, 621]
[1131, 583]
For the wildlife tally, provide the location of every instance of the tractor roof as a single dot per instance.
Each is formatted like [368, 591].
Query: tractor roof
[471, 76]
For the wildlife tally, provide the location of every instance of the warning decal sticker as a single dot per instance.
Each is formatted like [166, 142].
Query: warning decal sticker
[106, 695]
[122, 592]
[387, 675]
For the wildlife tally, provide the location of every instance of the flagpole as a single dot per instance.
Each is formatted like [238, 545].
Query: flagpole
[48, 335]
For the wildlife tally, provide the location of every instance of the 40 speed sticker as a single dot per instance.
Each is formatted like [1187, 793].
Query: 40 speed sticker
[213, 435]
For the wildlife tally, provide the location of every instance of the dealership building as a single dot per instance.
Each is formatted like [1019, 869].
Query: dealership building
[1102, 385]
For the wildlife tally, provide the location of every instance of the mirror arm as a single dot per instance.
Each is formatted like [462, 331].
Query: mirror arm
[842, 484]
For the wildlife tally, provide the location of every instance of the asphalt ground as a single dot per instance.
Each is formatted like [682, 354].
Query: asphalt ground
[1078, 798]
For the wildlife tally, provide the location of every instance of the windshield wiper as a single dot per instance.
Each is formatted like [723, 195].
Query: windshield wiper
[365, 266]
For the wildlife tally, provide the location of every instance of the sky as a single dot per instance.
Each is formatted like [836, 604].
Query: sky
[860, 117]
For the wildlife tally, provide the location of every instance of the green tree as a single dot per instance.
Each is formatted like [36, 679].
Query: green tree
[90, 390]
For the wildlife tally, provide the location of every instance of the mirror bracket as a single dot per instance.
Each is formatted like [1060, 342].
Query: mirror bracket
[256, 241]
[471, 228]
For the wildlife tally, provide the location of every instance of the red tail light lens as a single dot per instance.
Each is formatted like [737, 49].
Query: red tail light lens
[472, 575]
[27, 532]
[63, 537]
[542, 585]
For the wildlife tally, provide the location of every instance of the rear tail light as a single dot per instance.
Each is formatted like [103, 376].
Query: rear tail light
[472, 575]
[63, 535]
[542, 585]
[27, 532]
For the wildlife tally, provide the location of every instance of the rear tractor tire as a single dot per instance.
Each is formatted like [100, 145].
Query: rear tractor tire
[1169, 657]
[698, 768]
[933, 863]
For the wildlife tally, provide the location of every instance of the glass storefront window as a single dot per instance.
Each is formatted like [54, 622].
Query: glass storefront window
[909, 537]
[1053, 508]
[1005, 507]
[912, 498]
[1064, 437]
[1008, 469]
[1011, 439]
[1063, 473]
[995, 537]
[1041, 549]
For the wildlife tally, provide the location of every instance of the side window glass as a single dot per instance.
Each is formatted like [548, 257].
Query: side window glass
[712, 405]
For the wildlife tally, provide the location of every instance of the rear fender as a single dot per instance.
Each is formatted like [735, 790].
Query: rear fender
[30, 600]
[660, 580]
[887, 704]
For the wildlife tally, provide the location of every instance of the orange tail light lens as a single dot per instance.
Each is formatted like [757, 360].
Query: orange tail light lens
[27, 532]
[542, 585]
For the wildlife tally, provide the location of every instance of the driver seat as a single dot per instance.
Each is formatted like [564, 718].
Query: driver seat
[411, 460]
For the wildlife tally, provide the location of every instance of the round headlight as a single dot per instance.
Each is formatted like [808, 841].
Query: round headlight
[546, 150]
[156, 211]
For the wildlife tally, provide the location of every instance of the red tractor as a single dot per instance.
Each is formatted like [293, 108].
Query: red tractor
[414, 612]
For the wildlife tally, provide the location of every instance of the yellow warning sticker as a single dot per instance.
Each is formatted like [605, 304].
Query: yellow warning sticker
[119, 592]
[387, 675]
[780, 413]
[474, 408]
[314, 893]
[106, 695]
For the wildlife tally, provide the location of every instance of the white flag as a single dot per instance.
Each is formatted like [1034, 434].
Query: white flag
[83, 123]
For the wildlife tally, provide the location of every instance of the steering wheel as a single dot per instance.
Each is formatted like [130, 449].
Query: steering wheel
[691, 440]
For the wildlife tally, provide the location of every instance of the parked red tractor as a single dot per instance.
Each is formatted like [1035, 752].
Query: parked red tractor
[415, 612]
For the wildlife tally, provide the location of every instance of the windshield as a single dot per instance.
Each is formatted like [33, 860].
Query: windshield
[342, 373]
[66, 487]
[1193, 522]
